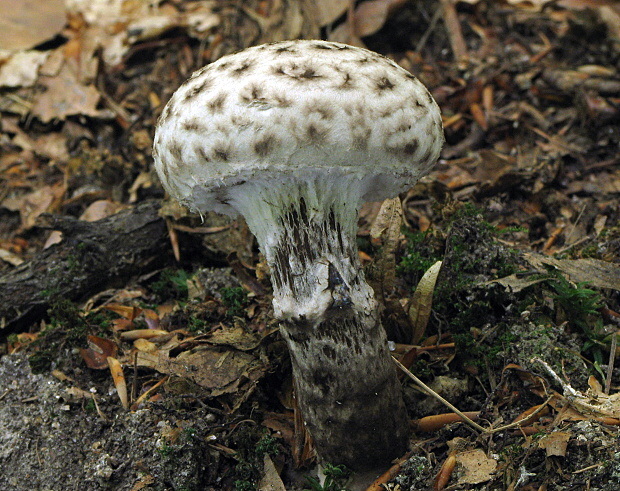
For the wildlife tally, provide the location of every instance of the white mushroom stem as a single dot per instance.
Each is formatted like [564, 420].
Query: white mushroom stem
[306, 230]
[347, 389]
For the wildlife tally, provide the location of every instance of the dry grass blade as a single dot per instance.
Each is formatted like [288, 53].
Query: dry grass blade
[119, 380]
[385, 232]
[422, 301]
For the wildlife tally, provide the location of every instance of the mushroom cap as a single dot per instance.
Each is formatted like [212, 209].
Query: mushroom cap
[294, 109]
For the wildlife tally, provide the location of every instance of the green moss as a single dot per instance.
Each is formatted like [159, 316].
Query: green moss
[234, 299]
[171, 284]
[244, 485]
[577, 300]
[65, 315]
[336, 477]
[42, 361]
[68, 328]
[90, 406]
[165, 449]
[267, 445]
[420, 254]
[251, 444]
[580, 307]
[195, 325]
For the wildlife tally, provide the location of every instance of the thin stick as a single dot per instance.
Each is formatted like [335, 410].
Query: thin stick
[463, 416]
[610, 364]
[521, 421]
[455, 34]
[434, 394]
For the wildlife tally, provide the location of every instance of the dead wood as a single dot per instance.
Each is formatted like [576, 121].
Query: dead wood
[91, 257]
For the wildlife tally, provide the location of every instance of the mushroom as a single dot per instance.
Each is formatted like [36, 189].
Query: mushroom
[295, 136]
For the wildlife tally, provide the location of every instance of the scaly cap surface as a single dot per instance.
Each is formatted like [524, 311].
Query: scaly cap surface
[296, 110]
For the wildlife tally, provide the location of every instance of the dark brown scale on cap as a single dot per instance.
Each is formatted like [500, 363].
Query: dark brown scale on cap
[165, 114]
[216, 105]
[251, 93]
[222, 153]
[194, 125]
[411, 147]
[384, 83]
[310, 73]
[285, 49]
[316, 133]
[197, 90]
[281, 101]
[243, 69]
[347, 82]
[175, 149]
[201, 153]
[265, 145]
[324, 111]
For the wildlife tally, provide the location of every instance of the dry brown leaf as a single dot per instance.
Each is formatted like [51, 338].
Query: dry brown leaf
[283, 424]
[26, 23]
[370, 16]
[75, 394]
[555, 443]
[65, 96]
[455, 177]
[145, 345]
[271, 480]
[492, 166]
[10, 257]
[99, 209]
[538, 5]
[445, 472]
[600, 274]
[600, 403]
[236, 337]
[515, 282]
[126, 311]
[98, 351]
[32, 205]
[209, 367]
[476, 466]
[385, 233]
[142, 334]
[329, 10]
[106, 12]
[144, 481]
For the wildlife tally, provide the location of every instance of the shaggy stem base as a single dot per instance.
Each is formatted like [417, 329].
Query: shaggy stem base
[347, 391]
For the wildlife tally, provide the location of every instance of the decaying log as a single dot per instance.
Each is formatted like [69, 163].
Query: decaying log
[91, 257]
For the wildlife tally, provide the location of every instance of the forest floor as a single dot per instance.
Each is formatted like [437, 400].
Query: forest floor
[169, 373]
